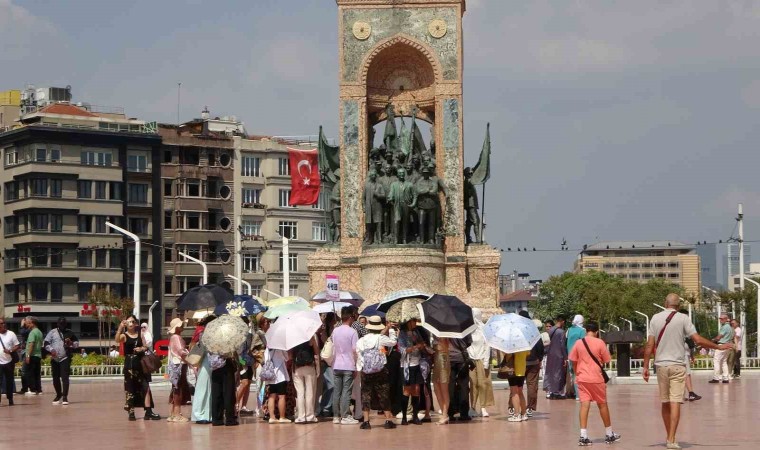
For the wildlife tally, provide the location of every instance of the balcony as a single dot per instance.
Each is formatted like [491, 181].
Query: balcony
[202, 236]
[202, 204]
[71, 271]
[65, 167]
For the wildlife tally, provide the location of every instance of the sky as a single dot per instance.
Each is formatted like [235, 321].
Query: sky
[609, 120]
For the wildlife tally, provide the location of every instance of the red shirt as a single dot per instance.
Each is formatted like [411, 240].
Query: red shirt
[586, 370]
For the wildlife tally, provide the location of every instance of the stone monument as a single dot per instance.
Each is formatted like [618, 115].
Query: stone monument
[403, 59]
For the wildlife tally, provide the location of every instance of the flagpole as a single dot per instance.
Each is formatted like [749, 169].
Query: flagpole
[483, 215]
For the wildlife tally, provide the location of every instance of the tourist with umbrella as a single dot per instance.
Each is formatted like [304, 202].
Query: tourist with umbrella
[412, 347]
[481, 388]
[349, 297]
[398, 296]
[223, 339]
[204, 298]
[201, 412]
[371, 363]
[514, 336]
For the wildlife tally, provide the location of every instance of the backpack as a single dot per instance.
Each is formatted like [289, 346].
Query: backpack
[373, 359]
[304, 354]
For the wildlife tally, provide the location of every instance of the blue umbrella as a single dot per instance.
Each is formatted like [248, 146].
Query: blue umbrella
[511, 333]
[372, 310]
[240, 305]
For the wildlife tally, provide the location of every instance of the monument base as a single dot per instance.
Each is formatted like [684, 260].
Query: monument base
[471, 275]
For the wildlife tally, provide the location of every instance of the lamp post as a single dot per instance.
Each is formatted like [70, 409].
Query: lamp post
[285, 267]
[616, 327]
[647, 319]
[136, 293]
[744, 330]
[719, 306]
[659, 306]
[630, 324]
[198, 261]
[238, 281]
[238, 263]
[689, 303]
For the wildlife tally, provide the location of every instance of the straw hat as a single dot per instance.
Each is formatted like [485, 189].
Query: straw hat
[176, 322]
[375, 323]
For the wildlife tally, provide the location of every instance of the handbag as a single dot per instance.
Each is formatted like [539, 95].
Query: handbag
[150, 362]
[328, 352]
[196, 355]
[506, 369]
[14, 355]
[373, 360]
[268, 371]
[601, 367]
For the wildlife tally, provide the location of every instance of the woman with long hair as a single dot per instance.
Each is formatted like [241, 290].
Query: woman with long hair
[441, 373]
[202, 398]
[177, 369]
[136, 387]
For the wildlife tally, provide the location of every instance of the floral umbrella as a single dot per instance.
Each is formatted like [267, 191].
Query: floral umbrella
[225, 335]
[404, 310]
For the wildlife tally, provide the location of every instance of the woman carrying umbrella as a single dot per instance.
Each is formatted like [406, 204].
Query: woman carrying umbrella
[277, 387]
[135, 381]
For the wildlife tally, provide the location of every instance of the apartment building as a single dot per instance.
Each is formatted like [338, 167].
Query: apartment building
[642, 261]
[262, 181]
[66, 171]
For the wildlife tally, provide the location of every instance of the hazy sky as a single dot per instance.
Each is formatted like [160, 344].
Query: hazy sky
[610, 120]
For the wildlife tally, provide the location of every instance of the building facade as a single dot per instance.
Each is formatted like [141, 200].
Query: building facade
[731, 265]
[642, 261]
[66, 172]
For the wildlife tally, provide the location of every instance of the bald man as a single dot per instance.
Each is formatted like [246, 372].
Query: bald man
[667, 333]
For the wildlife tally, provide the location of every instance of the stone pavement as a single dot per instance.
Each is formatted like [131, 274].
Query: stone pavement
[95, 419]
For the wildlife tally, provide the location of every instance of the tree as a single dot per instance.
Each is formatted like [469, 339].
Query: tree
[110, 309]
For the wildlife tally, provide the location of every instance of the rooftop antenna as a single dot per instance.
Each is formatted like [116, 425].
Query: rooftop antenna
[179, 85]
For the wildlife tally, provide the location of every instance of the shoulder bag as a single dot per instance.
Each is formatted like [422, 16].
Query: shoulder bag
[268, 371]
[598, 363]
[507, 367]
[196, 355]
[149, 361]
[14, 355]
[328, 352]
[659, 337]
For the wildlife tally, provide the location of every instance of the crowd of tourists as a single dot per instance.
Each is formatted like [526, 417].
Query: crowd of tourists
[354, 365]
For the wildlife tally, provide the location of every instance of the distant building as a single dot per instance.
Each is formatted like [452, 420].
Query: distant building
[713, 265]
[731, 265]
[516, 301]
[642, 261]
[10, 109]
[518, 281]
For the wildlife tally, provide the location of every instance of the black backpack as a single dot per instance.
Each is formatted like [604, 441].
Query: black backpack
[304, 354]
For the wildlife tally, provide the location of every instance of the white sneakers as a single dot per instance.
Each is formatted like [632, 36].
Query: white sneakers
[336, 420]
[518, 418]
[348, 421]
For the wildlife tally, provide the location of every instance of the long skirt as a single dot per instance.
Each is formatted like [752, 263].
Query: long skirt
[180, 386]
[481, 388]
[555, 375]
[202, 398]
[136, 385]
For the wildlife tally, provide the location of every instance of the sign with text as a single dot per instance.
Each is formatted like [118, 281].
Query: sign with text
[332, 288]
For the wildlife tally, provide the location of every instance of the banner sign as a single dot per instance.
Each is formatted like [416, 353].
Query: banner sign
[332, 288]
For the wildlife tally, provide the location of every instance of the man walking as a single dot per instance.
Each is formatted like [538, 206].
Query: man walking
[556, 361]
[344, 348]
[720, 358]
[532, 371]
[736, 368]
[33, 358]
[61, 343]
[588, 355]
[8, 345]
[667, 331]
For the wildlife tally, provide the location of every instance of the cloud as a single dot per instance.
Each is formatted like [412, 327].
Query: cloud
[21, 32]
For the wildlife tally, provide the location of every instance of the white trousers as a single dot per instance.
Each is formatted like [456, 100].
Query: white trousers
[305, 381]
[720, 365]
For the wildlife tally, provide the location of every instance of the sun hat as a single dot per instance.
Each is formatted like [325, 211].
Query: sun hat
[375, 323]
[176, 322]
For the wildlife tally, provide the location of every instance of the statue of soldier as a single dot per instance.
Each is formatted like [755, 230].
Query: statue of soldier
[335, 208]
[403, 198]
[374, 197]
[472, 218]
[385, 179]
[429, 205]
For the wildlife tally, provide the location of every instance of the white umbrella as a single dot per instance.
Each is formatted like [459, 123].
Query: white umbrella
[397, 296]
[511, 333]
[345, 296]
[330, 307]
[293, 329]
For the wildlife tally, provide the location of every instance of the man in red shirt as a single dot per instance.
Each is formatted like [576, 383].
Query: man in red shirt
[588, 356]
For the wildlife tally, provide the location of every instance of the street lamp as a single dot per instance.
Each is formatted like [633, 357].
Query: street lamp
[689, 303]
[720, 305]
[136, 294]
[646, 317]
[630, 324]
[238, 263]
[744, 330]
[238, 281]
[659, 306]
[616, 327]
[198, 261]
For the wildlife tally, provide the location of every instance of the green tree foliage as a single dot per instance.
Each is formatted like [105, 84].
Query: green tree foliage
[601, 297]
[110, 310]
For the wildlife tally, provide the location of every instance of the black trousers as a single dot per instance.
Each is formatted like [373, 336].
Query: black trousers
[34, 374]
[61, 371]
[223, 394]
[396, 382]
[459, 390]
[6, 370]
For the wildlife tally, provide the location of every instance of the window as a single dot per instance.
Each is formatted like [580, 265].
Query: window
[56, 292]
[288, 229]
[193, 188]
[116, 190]
[138, 193]
[39, 222]
[100, 224]
[11, 259]
[167, 220]
[293, 262]
[189, 155]
[137, 163]
[41, 155]
[318, 231]
[84, 189]
[607, 266]
[167, 188]
[673, 265]
[660, 275]
[620, 266]
[56, 257]
[284, 198]
[168, 255]
[84, 257]
[100, 258]
[167, 156]
[89, 158]
[293, 291]
[138, 225]
[39, 187]
[11, 157]
[39, 292]
[284, 167]
[168, 285]
[100, 190]
[674, 275]
[252, 227]
[11, 225]
[55, 155]
[251, 166]
[114, 258]
[194, 251]
[39, 257]
[634, 265]
[634, 276]
[193, 221]
[646, 266]
[251, 195]
[256, 289]
[11, 190]
[143, 260]
[321, 201]
[211, 156]
[83, 291]
[251, 262]
[85, 224]
[56, 188]
[56, 223]
[646, 275]
[659, 265]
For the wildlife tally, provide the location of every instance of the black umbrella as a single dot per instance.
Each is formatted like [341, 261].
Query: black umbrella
[203, 297]
[446, 316]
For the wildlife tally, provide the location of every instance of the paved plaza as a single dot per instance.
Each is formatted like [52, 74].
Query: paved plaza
[95, 419]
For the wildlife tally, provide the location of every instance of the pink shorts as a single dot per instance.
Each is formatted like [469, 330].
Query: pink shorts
[592, 392]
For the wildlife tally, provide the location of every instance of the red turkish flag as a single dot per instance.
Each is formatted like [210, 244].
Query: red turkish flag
[304, 177]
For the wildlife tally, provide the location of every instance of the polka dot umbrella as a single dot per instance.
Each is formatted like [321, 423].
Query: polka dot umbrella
[511, 333]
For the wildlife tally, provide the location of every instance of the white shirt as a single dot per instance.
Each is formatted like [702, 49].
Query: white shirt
[279, 358]
[371, 341]
[738, 338]
[9, 341]
[479, 348]
[114, 353]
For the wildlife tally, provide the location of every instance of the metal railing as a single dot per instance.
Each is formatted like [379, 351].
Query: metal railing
[698, 364]
[91, 371]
